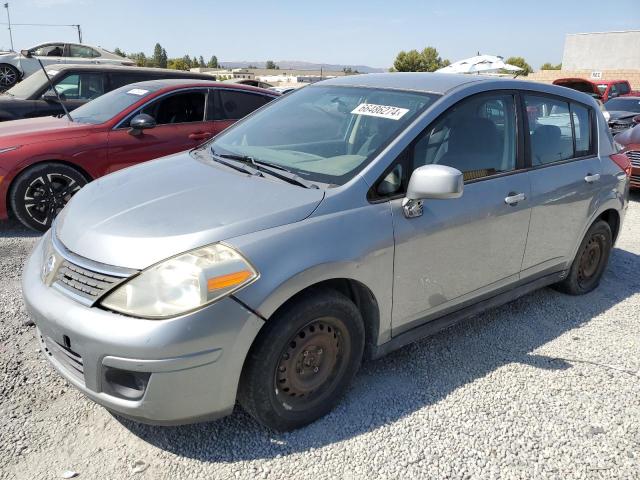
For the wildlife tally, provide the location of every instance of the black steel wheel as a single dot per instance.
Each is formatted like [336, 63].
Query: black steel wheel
[590, 261]
[39, 193]
[302, 361]
[9, 76]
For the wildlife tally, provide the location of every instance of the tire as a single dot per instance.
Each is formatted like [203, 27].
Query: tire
[39, 193]
[9, 76]
[590, 261]
[303, 361]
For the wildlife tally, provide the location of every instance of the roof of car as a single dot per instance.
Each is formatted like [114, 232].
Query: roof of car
[417, 81]
[172, 83]
[124, 68]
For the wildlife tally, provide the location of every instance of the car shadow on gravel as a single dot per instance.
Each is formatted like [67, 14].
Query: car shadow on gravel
[415, 377]
[13, 229]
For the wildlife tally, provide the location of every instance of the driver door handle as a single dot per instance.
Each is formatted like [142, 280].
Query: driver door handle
[592, 178]
[199, 135]
[514, 198]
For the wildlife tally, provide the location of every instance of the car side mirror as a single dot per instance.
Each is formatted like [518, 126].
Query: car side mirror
[431, 181]
[50, 96]
[141, 122]
[25, 53]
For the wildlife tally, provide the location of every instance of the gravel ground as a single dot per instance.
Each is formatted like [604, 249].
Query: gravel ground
[545, 387]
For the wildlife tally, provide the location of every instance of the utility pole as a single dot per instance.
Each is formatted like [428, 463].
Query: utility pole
[79, 33]
[6, 5]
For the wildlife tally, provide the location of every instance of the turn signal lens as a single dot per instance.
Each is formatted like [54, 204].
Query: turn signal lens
[229, 280]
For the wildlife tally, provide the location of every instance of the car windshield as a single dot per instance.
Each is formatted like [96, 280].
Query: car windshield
[324, 133]
[624, 104]
[109, 105]
[32, 84]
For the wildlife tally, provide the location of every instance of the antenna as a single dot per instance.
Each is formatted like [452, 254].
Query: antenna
[28, 54]
[6, 5]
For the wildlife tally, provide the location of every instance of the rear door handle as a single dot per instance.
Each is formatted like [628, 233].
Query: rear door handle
[514, 198]
[592, 178]
[199, 135]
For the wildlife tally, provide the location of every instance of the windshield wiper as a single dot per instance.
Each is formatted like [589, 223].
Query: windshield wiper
[240, 167]
[271, 168]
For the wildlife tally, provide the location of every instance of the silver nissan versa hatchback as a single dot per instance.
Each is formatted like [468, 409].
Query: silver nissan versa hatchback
[338, 223]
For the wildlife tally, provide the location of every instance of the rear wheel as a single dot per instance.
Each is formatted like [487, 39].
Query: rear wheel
[9, 76]
[303, 361]
[39, 193]
[590, 261]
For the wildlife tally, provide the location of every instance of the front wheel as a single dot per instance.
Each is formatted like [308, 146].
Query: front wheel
[40, 192]
[303, 361]
[590, 261]
[9, 76]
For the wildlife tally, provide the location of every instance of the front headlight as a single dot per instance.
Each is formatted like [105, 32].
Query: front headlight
[183, 283]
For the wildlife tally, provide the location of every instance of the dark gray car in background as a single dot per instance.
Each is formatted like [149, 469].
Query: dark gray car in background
[76, 85]
[340, 222]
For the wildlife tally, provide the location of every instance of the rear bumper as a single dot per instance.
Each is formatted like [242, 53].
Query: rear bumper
[190, 365]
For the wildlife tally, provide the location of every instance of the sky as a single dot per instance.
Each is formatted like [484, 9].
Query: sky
[350, 32]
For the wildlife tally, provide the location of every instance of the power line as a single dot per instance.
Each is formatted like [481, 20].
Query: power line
[73, 25]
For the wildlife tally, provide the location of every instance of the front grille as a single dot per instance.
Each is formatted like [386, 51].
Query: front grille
[634, 156]
[84, 282]
[70, 360]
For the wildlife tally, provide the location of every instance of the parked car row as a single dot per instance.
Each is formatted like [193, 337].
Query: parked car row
[337, 223]
[621, 104]
[75, 85]
[44, 161]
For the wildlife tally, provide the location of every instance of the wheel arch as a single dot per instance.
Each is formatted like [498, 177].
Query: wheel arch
[356, 291]
[612, 217]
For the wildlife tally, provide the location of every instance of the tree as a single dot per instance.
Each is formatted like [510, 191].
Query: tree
[413, 61]
[194, 62]
[347, 70]
[157, 55]
[520, 62]
[271, 65]
[176, 64]
[119, 52]
[163, 59]
[201, 63]
[213, 62]
[140, 58]
[549, 66]
[187, 62]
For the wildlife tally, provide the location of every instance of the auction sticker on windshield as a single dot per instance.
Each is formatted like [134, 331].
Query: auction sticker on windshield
[137, 91]
[382, 111]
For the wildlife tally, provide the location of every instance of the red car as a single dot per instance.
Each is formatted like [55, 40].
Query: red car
[630, 141]
[603, 90]
[44, 161]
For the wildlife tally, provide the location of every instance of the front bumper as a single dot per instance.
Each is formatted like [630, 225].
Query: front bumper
[193, 362]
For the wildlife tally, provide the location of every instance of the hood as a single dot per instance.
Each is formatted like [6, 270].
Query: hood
[579, 84]
[144, 214]
[620, 114]
[34, 130]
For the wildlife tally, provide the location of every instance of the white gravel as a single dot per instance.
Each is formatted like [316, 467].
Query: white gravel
[545, 387]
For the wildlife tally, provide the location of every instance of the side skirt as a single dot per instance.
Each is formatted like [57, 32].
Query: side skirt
[437, 325]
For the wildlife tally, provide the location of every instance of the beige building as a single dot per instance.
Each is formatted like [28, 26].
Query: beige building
[598, 56]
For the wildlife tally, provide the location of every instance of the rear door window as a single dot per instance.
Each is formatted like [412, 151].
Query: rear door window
[558, 130]
[81, 86]
[549, 130]
[623, 88]
[183, 107]
[82, 51]
[234, 104]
